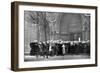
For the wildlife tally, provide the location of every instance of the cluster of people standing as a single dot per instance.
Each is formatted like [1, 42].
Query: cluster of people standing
[47, 49]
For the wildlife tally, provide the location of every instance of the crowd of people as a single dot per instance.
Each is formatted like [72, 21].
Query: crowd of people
[61, 48]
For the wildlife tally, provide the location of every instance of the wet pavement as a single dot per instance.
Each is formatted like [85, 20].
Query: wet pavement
[65, 57]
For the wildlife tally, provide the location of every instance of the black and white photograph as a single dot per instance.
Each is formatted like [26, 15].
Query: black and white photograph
[56, 36]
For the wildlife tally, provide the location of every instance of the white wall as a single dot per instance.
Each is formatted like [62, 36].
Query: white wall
[5, 32]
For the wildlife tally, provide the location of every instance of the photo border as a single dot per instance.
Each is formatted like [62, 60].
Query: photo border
[15, 34]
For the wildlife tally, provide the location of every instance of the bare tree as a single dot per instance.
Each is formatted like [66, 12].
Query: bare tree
[40, 19]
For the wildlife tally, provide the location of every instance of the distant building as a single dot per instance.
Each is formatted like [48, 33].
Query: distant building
[70, 27]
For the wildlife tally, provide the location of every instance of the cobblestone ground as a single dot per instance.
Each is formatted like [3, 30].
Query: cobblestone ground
[65, 57]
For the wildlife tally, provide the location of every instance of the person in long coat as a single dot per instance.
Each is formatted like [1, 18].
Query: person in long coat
[34, 49]
[45, 49]
[63, 49]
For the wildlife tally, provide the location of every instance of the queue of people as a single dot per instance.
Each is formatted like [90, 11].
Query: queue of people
[61, 48]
